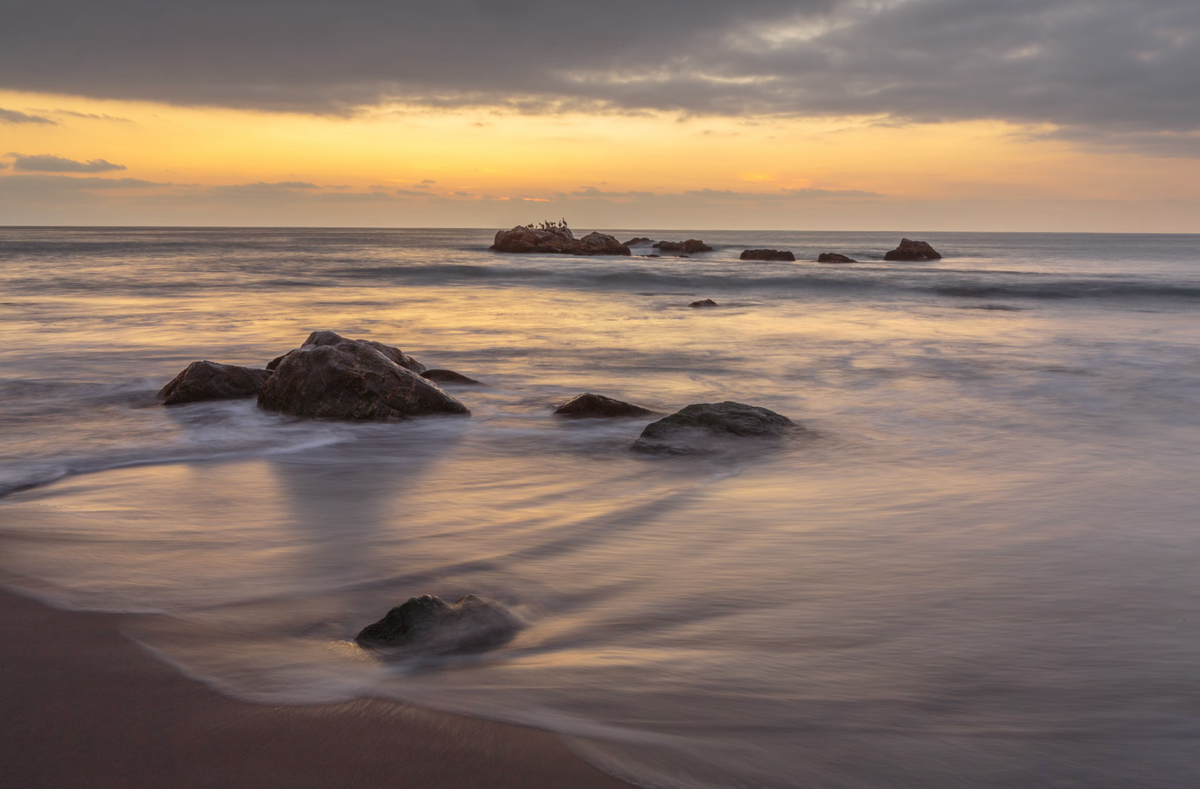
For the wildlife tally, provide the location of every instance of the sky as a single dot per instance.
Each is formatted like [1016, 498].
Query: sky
[994, 115]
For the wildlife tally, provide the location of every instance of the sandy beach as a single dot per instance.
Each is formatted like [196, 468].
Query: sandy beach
[83, 706]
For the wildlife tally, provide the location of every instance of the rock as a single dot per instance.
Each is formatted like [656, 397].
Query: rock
[695, 427]
[351, 379]
[557, 240]
[432, 624]
[202, 381]
[913, 250]
[633, 242]
[326, 337]
[767, 254]
[590, 405]
[703, 303]
[449, 377]
[691, 246]
[833, 257]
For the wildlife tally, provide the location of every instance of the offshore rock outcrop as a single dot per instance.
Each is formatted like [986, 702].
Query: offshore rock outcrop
[767, 254]
[697, 305]
[691, 246]
[556, 240]
[433, 625]
[588, 405]
[638, 241]
[833, 257]
[912, 250]
[351, 379]
[701, 426]
[203, 381]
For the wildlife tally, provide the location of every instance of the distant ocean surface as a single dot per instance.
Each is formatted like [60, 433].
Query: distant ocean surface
[983, 573]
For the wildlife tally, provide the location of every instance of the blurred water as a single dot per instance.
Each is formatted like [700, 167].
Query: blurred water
[981, 574]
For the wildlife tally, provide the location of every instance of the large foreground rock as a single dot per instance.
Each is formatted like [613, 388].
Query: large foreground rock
[556, 240]
[588, 405]
[203, 381]
[767, 254]
[432, 624]
[691, 246]
[351, 379]
[833, 257]
[912, 250]
[319, 338]
[698, 427]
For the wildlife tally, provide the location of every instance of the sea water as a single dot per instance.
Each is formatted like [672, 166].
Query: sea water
[979, 569]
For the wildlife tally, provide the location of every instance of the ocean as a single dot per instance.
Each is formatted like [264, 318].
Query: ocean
[979, 570]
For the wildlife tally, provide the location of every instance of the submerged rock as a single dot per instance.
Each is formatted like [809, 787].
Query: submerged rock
[833, 257]
[432, 624]
[588, 405]
[691, 246]
[205, 380]
[912, 250]
[703, 303]
[557, 240]
[639, 240]
[695, 427]
[351, 379]
[767, 254]
[449, 377]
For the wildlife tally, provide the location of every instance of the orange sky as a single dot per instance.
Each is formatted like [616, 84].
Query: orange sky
[396, 166]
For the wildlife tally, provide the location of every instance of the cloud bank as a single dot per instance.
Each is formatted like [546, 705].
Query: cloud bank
[1103, 72]
[12, 116]
[57, 164]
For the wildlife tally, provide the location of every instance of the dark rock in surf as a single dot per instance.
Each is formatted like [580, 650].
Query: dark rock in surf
[556, 240]
[691, 246]
[833, 257]
[633, 242]
[588, 405]
[696, 305]
[205, 380]
[450, 377]
[767, 254]
[697, 427]
[650, 256]
[431, 624]
[912, 250]
[327, 337]
[351, 379]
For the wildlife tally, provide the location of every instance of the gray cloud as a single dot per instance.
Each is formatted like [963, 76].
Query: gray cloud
[1111, 71]
[12, 116]
[57, 164]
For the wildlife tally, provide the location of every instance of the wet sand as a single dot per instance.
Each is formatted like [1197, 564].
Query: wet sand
[82, 706]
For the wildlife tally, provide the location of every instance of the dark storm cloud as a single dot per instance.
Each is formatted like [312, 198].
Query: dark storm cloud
[1101, 71]
[12, 116]
[57, 164]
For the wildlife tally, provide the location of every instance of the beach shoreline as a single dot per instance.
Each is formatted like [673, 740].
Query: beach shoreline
[82, 705]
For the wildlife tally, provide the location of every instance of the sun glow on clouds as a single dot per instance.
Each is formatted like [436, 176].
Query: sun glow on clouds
[405, 165]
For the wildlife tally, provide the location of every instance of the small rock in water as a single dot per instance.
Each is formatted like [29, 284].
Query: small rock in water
[431, 624]
[695, 427]
[912, 250]
[202, 381]
[833, 257]
[633, 242]
[449, 377]
[588, 405]
[767, 254]
[703, 303]
[691, 246]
